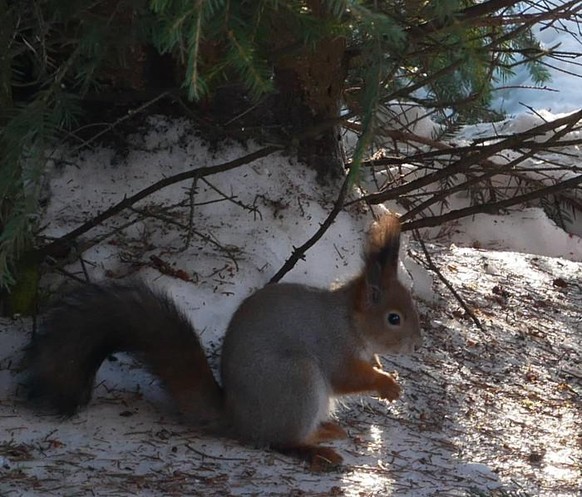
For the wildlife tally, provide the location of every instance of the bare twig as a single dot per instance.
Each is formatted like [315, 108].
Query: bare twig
[232, 198]
[492, 170]
[65, 240]
[210, 456]
[110, 126]
[299, 252]
[492, 207]
[475, 155]
[230, 252]
[431, 266]
[191, 195]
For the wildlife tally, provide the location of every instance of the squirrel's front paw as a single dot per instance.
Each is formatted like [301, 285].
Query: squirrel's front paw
[387, 387]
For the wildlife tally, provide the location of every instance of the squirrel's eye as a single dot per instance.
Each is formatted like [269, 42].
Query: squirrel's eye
[394, 319]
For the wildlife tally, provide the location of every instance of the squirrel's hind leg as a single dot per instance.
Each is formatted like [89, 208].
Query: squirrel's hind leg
[328, 431]
[319, 458]
[302, 412]
[283, 408]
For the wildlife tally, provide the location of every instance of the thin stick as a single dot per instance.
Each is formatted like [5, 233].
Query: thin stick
[210, 456]
[233, 199]
[431, 266]
[299, 252]
[163, 183]
[474, 156]
[191, 231]
[110, 126]
[491, 208]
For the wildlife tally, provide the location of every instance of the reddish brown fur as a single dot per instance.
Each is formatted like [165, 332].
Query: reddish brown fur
[98, 320]
[361, 376]
[319, 458]
[329, 431]
[381, 254]
[383, 233]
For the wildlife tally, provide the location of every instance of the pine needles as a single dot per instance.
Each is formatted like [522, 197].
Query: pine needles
[445, 56]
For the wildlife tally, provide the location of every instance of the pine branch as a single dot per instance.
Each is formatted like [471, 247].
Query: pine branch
[475, 156]
[464, 16]
[492, 169]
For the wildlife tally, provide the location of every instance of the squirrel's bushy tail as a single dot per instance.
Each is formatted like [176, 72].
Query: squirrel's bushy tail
[94, 321]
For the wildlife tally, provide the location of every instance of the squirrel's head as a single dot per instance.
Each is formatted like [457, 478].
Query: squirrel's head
[384, 311]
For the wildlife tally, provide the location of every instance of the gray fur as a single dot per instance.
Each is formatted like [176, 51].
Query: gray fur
[289, 348]
[282, 348]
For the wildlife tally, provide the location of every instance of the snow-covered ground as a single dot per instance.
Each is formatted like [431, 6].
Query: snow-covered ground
[486, 408]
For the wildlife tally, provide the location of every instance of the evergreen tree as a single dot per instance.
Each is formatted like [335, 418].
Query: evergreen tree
[314, 64]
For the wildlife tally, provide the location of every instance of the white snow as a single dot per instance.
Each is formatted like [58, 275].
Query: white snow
[483, 408]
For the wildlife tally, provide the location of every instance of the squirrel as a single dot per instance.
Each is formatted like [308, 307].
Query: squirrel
[288, 351]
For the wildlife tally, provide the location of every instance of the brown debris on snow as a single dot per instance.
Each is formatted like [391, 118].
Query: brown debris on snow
[486, 410]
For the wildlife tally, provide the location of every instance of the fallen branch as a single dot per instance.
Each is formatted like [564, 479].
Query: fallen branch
[490, 208]
[57, 246]
[299, 252]
[476, 155]
[431, 266]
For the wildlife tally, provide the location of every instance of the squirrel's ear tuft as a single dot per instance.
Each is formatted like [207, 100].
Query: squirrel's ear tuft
[381, 258]
[384, 244]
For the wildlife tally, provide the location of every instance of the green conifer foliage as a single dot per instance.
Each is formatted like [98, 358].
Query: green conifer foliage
[324, 58]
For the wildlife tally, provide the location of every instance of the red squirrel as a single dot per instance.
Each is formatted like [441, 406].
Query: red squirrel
[288, 350]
